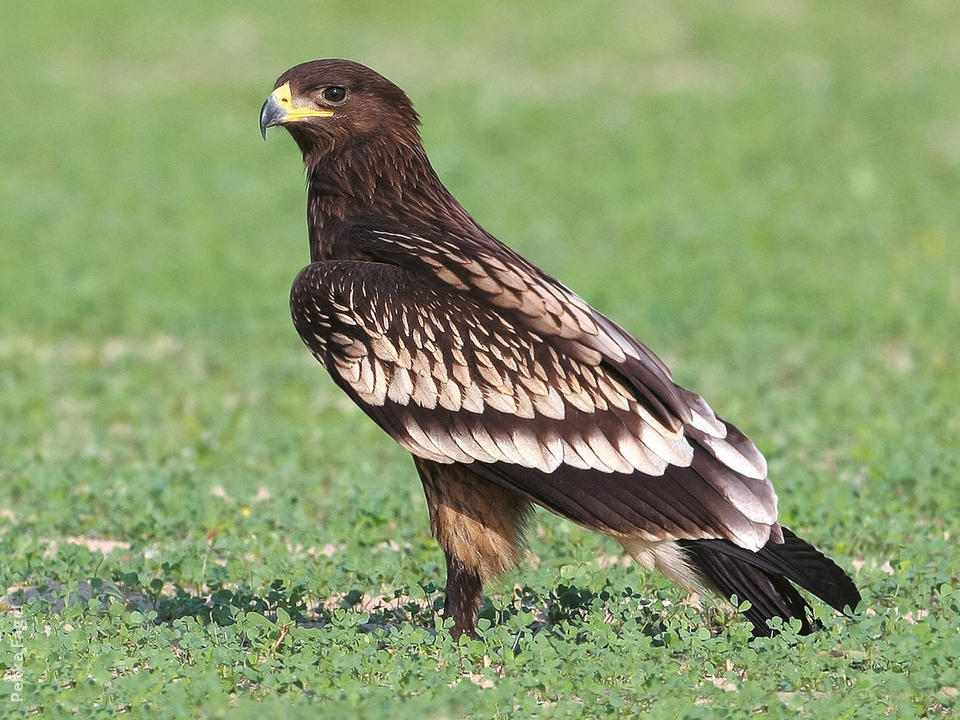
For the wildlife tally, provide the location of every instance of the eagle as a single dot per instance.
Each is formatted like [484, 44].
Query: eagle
[508, 389]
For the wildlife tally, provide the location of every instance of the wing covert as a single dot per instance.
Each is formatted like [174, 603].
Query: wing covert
[464, 383]
[455, 379]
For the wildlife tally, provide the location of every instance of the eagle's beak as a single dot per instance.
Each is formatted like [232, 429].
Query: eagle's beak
[279, 109]
[271, 114]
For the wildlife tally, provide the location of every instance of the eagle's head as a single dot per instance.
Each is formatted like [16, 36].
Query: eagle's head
[328, 105]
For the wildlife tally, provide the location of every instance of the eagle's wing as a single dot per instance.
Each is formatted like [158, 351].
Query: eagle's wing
[599, 436]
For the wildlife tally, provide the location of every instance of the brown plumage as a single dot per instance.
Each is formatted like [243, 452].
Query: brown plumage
[508, 389]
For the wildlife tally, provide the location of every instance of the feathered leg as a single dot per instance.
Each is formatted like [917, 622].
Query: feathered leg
[479, 525]
[464, 597]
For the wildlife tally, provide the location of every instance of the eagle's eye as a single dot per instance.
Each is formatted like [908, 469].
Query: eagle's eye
[334, 94]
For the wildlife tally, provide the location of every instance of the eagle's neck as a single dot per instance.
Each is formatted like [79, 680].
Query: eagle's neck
[377, 180]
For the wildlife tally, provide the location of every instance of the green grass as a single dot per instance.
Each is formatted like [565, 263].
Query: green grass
[766, 193]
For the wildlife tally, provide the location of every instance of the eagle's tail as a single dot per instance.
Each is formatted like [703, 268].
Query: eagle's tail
[764, 578]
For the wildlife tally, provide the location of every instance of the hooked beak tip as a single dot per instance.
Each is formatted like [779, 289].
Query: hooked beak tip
[272, 113]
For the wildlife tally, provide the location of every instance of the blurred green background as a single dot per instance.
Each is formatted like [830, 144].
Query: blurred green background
[764, 192]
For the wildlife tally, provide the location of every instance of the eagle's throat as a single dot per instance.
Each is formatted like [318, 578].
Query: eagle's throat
[377, 178]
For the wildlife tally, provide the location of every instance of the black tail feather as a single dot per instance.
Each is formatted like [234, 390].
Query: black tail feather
[764, 578]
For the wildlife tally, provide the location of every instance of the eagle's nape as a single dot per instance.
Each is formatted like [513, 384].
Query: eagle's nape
[508, 388]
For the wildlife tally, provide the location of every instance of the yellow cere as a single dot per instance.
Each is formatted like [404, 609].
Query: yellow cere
[285, 98]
